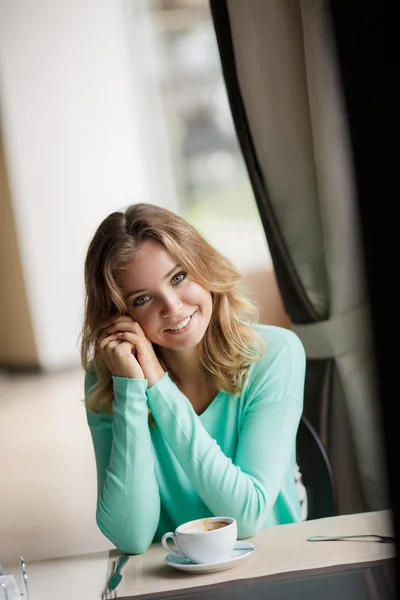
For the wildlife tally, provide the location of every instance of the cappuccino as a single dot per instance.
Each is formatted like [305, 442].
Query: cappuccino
[205, 525]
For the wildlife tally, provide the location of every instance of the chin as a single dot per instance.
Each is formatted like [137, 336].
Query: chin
[184, 344]
[188, 345]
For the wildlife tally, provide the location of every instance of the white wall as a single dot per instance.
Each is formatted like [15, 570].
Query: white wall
[48, 484]
[73, 140]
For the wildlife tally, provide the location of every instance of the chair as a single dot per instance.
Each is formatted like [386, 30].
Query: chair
[316, 473]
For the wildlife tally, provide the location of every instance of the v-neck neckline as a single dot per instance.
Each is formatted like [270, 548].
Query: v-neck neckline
[208, 408]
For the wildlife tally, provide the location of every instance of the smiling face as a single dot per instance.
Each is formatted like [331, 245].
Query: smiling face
[173, 310]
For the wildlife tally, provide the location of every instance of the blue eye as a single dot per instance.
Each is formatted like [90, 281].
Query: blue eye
[179, 277]
[141, 300]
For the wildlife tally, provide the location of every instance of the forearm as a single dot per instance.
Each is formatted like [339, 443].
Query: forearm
[128, 505]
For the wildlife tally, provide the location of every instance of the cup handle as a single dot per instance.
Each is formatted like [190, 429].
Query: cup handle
[169, 548]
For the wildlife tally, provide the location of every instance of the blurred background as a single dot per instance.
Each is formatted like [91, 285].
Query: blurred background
[103, 103]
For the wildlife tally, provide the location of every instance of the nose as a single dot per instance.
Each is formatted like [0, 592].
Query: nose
[172, 304]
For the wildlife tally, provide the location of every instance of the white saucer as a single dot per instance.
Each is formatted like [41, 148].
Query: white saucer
[240, 551]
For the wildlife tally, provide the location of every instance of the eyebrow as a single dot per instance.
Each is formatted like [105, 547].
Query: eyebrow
[145, 290]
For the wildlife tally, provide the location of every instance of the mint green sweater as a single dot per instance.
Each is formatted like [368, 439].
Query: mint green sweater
[236, 459]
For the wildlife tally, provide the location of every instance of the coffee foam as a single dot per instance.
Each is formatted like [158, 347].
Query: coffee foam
[205, 525]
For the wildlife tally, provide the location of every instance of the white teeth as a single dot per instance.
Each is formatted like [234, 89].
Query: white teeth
[181, 325]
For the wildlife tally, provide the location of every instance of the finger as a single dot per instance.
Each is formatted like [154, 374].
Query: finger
[133, 338]
[110, 348]
[114, 319]
[103, 342]
[118, 347]
[112, 345]
[123, 348]
[124, 318]
[132, 326]
[109, 321]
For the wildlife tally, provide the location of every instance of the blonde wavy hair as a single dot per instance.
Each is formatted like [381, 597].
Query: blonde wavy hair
[230, 344]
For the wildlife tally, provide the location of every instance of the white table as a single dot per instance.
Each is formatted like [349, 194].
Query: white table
[279, 549]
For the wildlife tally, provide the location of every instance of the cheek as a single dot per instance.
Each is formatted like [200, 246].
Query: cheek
[142, 318]
[209, 308]
[205, 300]
[149, 330]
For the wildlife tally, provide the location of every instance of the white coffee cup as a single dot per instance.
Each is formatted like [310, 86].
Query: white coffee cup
[207, 540]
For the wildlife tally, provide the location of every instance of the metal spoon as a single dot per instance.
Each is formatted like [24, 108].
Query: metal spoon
[384, 539]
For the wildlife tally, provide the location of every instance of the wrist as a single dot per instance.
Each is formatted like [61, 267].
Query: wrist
[155, 376]
[128, 374]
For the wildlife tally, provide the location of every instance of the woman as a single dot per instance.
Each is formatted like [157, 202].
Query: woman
[193, 410]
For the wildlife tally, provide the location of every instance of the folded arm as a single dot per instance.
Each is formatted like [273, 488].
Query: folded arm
[247, 487]
[128, 503]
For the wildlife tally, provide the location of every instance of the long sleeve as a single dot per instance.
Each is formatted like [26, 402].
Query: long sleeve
[128, 503]
[247, 487]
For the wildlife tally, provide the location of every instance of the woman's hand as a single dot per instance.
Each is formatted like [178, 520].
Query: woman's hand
[126, 331]
[119, 354]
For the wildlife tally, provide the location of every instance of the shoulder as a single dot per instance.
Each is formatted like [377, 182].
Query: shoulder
[279, 340]
[282, 368]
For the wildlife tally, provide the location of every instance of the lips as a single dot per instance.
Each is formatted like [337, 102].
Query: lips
[181, 324]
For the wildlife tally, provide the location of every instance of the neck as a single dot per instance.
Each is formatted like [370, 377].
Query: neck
[184, 366]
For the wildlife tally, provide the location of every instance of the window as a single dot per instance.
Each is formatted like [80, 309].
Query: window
[211, 178]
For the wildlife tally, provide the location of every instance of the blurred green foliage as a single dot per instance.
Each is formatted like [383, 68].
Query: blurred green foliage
[234, 202]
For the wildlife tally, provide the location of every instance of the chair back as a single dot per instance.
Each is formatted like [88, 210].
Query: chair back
[316, 473]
